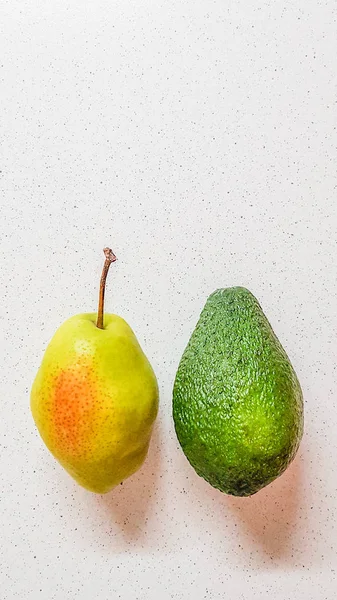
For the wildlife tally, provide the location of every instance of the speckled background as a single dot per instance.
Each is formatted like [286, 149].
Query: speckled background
[198, 139]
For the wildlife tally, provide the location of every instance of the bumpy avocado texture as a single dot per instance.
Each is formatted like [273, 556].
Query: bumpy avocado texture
[237, 403]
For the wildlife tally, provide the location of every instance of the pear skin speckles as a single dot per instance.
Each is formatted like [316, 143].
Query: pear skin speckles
[94, 401]
[74, 407]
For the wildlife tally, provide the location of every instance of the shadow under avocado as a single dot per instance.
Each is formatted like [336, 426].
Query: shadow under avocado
[271, 519]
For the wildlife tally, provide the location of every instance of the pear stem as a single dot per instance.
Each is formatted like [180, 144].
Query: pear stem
[109, 258]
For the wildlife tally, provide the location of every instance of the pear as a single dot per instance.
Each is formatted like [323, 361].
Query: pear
[95, 397]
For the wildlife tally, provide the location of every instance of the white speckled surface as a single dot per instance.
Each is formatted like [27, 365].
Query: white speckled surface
[199, 140]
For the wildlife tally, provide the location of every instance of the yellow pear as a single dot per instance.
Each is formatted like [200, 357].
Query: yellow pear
[95, 397]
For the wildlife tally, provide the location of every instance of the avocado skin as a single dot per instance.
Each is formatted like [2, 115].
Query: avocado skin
[237, 403]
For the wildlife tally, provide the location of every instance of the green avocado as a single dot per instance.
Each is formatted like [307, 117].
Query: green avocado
[237, 403]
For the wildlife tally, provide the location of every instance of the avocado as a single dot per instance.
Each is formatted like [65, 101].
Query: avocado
[237, 403]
